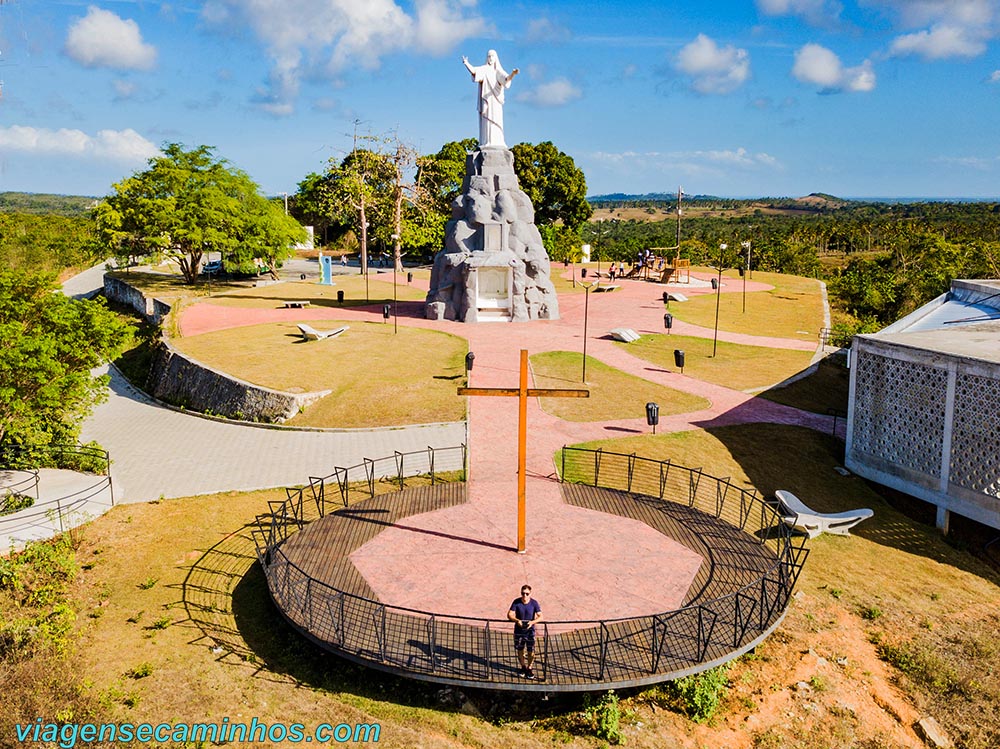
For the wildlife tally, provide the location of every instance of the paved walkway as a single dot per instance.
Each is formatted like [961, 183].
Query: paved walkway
[160, 452]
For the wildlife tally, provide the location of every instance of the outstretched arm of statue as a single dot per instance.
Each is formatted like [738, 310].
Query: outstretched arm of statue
[465, 61]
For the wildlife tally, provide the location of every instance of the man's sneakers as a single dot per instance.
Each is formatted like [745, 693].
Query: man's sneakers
[529, 674]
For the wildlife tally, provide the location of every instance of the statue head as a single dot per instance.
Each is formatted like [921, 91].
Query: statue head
[491, 58]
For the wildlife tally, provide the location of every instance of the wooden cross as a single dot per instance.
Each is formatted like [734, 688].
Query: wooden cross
[522, 393]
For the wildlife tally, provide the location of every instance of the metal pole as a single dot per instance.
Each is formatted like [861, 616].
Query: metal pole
[718, 296]
[395, 314]
[586, 317]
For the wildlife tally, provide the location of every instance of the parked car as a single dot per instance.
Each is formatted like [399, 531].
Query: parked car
[212, 267]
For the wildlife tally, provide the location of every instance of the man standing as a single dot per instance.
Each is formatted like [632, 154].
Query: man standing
[525, 612]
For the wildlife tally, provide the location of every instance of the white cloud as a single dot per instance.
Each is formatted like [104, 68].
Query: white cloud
[943, 28]
[818, 66]
[995, 76]
[124, 89]
[915, 13]
[816, 12]
[112, 145]
[713, 70]
[545, 31]
[555, 93]
[102, 39]
[696, 163]
[940, 42]
[332, 36]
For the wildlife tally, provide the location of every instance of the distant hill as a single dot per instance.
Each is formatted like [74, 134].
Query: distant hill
[822, 200]
[658, 197]
[43, 203]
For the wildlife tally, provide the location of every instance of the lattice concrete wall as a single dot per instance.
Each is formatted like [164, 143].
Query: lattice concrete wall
[899, 412]
[975, 453]
[928, 424]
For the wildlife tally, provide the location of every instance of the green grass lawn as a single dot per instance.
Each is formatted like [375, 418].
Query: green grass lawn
[378, 378]
[613, 393]
[734, 366]
[792, 309]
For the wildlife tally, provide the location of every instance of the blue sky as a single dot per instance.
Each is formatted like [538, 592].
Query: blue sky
[739, 98]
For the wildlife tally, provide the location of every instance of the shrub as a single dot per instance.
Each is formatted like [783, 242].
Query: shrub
[699, 695]
[605, 716]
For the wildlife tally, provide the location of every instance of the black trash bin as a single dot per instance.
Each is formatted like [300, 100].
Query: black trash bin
[715, 283]
[679, 358]
[668, 322]
[470, 358]
[340, 297]
[652, 415]
[666, 297]
[386, 311]
[409, 278]
[583, 272]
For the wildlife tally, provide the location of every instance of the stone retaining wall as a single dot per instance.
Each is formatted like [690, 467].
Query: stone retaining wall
[182, 381]
[122, 292]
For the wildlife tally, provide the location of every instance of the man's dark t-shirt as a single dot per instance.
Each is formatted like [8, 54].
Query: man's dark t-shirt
[525, 611]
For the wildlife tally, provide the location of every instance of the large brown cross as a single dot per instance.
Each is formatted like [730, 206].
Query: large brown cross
[522, 393]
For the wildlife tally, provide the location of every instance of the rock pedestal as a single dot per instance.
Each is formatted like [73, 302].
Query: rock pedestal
[493, 266]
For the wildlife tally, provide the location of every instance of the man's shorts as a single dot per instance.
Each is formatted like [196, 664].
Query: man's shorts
[524, 638]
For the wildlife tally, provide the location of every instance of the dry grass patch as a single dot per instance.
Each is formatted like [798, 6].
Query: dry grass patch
[792, 309]
[895, 589]
[378, 378]
[170, 287]
[613, 394]
[353, 286]
[734, 365]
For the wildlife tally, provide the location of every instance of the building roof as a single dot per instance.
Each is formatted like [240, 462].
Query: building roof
[964, 322]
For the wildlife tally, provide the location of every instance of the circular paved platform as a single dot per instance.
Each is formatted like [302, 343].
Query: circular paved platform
[407, 582]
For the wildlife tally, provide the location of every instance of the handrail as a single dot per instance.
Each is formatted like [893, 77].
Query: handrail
[65, 456]
[684, 639]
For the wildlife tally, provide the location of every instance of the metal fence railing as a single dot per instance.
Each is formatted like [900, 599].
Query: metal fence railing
[573, 655]
[63, 510]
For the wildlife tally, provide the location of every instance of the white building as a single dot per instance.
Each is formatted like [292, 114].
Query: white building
[924, 410]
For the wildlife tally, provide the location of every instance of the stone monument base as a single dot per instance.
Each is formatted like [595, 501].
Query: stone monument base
[493, 266]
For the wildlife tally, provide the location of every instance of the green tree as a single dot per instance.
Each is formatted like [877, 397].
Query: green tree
[50, 345]
[556, 186]
[188, 203]
[442, 173]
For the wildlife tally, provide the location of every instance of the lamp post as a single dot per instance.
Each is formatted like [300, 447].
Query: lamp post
[746, 269]
[586, 313]
[286, 202]
[718, 295]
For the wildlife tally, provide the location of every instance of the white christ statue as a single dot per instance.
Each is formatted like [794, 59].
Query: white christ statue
[492, 80]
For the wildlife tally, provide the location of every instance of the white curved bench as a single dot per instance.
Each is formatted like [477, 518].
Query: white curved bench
[797, 515]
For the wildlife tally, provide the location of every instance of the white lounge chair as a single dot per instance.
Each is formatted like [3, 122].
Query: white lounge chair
[626, 335]
[311, 334]
[797, 515]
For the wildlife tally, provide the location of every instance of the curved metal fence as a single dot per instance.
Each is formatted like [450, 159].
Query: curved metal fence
[450, 648]
[54, 513]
